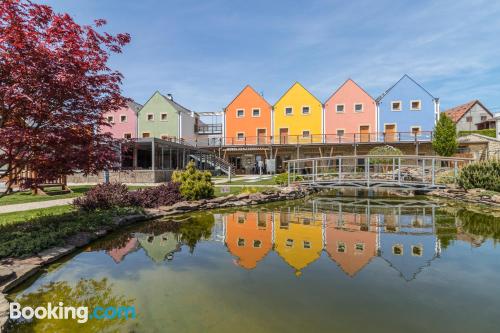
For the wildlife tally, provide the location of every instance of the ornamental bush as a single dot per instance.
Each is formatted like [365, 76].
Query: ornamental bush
[193, 183]
[282, 179]
[384, 150]
[444, 140]
[485, 175]
[104, 196]
[152, 197]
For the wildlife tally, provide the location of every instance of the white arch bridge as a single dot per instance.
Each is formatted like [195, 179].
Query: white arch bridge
[411, 172]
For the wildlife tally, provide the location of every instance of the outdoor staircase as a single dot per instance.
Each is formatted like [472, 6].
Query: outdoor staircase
[218, 164]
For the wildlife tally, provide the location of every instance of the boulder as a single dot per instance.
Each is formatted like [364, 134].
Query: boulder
[4, 311]
[6, 274]
[23, 271]
[81, 239]
[55, 253]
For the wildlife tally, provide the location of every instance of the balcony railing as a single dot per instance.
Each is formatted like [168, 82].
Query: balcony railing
[209, 129]
[348, 138]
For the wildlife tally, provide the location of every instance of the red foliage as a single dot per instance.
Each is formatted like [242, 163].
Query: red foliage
[55, 87]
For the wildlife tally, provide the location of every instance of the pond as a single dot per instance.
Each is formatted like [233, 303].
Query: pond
[321, 265]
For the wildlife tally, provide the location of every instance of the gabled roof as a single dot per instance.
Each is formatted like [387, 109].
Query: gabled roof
[136, 107]
[293, 85]
[395, 84]
[174, 104]
[456, 113]
[343, 84]
[241, 92]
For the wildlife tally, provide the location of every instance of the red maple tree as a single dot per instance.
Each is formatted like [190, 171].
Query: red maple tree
[55, 87]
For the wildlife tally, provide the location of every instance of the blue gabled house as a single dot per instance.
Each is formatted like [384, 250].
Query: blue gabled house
[406, 109]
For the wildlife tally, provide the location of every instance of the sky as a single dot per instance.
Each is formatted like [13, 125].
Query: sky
[204, 52]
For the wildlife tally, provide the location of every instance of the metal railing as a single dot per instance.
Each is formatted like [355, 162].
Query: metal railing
[348, 138]
[372, 171]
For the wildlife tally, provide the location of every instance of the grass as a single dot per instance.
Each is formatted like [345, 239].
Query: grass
[250, 183]
[27, 197]
[27, 233]
[239, 189]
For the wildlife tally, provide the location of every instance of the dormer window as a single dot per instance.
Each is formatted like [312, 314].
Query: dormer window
[416, 105]
[396, 106]
[340, 108]
[305, 110]
[240, 113]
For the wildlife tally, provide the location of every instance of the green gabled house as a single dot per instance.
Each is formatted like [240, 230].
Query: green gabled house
[162, 117]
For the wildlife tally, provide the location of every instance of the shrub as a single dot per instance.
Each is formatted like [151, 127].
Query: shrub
[152, 197]
[194, 184]
[485, 175]
[487, 132]
[383, 150]
[282, 179]
[444, 141]
[104, 196]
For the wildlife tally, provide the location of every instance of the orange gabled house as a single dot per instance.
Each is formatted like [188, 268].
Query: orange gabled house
[248, 119]
[249, 237]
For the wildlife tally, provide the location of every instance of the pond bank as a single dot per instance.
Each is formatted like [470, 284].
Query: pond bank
[14, 271]
[473, 196]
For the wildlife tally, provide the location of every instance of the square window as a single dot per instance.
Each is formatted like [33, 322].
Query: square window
[341, 247]
[483, 118]
[240, 136]
[127, 136]
[306, 134]
[358, 107]
[257, 243]
[397, 250]
[340, 132]
[123, 118]
[241, 219]
[417, 251]
[415, 130]
[415, 105]
[163, 117]
[359, 247]
[256, 113]
[111, 119]
[307, 244]
[288, 111]
[340, 108]
[289, 242]
[241, 242]
[240, 113]
[305, 110]
[468, 119]
[150, 117]
[145, 135]
[396, 106]
[306, 221]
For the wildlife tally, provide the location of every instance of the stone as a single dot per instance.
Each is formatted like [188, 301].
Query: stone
[55, 253]
[81, 239]
[185, 205]
[496, 198]
[6, 274]
[4, 312]
[22, 272]
[242, 196]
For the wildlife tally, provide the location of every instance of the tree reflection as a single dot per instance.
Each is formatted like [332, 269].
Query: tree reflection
[198, 227]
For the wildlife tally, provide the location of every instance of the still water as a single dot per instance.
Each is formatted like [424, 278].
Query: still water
[322, 265]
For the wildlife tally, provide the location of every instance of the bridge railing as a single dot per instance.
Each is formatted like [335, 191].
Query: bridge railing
[375, 170]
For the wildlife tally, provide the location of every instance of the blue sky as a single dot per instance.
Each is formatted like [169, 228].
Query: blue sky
[205, 52]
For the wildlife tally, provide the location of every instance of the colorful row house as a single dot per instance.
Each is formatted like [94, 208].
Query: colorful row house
[123, 121]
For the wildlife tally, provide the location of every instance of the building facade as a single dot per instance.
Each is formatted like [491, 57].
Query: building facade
[248, 119]
[297, 117]
[471, 116]
[350, 114]
[162, 117]
[406, 109]
[123, 121]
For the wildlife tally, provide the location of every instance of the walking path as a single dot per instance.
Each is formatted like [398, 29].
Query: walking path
[35, 205]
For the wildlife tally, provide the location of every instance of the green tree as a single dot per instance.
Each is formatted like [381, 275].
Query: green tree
[194, 184]
[444, 141]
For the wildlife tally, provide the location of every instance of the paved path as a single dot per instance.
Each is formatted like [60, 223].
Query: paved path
[35, 205]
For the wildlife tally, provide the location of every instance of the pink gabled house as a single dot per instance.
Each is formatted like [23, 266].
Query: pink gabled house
[123, 121]
[350, 114]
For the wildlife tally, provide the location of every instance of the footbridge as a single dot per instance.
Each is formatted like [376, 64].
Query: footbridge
[410, 172]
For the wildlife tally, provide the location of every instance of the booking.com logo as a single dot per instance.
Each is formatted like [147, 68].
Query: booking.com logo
[81, 314]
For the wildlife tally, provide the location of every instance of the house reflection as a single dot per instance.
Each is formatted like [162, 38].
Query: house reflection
[249, 236]
[161, 247]
[119, 253]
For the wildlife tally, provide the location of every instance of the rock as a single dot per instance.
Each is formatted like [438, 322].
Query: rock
[55, 253]
[23, 271]
[218, 200]
[4, 312]
[496, 198]
[185, 205]
[81, 239]
[6, 274]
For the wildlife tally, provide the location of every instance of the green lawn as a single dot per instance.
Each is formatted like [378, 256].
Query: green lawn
[18, 217]
[249, 183]
[26, 196]
[239, 189]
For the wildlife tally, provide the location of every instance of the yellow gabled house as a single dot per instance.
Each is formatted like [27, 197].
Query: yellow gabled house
[298, 117]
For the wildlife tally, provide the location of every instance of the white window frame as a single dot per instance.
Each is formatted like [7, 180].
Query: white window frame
[125, 135]
[421, 250]
[288, 107]
[238, 242]
[260, 243]
[166, 116]
[340, 129]
[419, 129]
[291, 242]
[238, 136]
[402, 249]
[359, 251]
[400, 106]
[302, 110]
[152, 116]
[148, 133]
[362, 108]
[238, 116]
[419, 105]
[126, 118]
[255, 109]
[304, 244]
[110, 119]
[308, 135]
[338, 246]
[337, 108]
